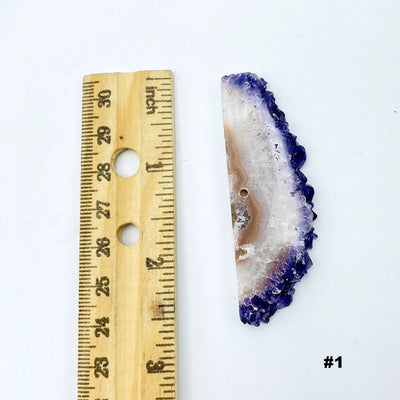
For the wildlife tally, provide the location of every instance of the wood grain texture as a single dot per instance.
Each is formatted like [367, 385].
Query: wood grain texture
[127, 293]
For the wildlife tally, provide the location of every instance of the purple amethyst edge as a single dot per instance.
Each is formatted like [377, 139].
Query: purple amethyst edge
[279, 289]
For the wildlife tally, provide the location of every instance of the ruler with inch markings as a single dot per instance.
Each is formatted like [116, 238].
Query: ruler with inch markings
[126, 341]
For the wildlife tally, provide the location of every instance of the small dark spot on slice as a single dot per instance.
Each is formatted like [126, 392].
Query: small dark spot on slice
[244, 193]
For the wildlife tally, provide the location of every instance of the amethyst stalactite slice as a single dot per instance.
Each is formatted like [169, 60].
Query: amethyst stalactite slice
[271, 202]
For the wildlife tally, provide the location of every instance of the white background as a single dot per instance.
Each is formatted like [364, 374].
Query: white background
[334, 67]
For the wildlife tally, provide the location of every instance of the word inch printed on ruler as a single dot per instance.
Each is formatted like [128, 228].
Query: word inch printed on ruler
[127, 293]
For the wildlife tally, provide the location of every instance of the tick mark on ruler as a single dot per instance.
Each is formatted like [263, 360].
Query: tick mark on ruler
[158, 78]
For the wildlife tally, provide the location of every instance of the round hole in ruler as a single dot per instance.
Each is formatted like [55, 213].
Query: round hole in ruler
[128, 234]
[126, 162]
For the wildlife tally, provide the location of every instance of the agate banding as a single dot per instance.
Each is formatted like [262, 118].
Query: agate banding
[271, 203]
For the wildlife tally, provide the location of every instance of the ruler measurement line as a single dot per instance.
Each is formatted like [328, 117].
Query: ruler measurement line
[168, 78]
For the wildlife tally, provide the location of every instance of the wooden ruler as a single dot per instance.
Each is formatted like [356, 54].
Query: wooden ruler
[127, 293]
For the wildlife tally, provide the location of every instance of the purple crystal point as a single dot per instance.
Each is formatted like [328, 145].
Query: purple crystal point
[272, 208]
